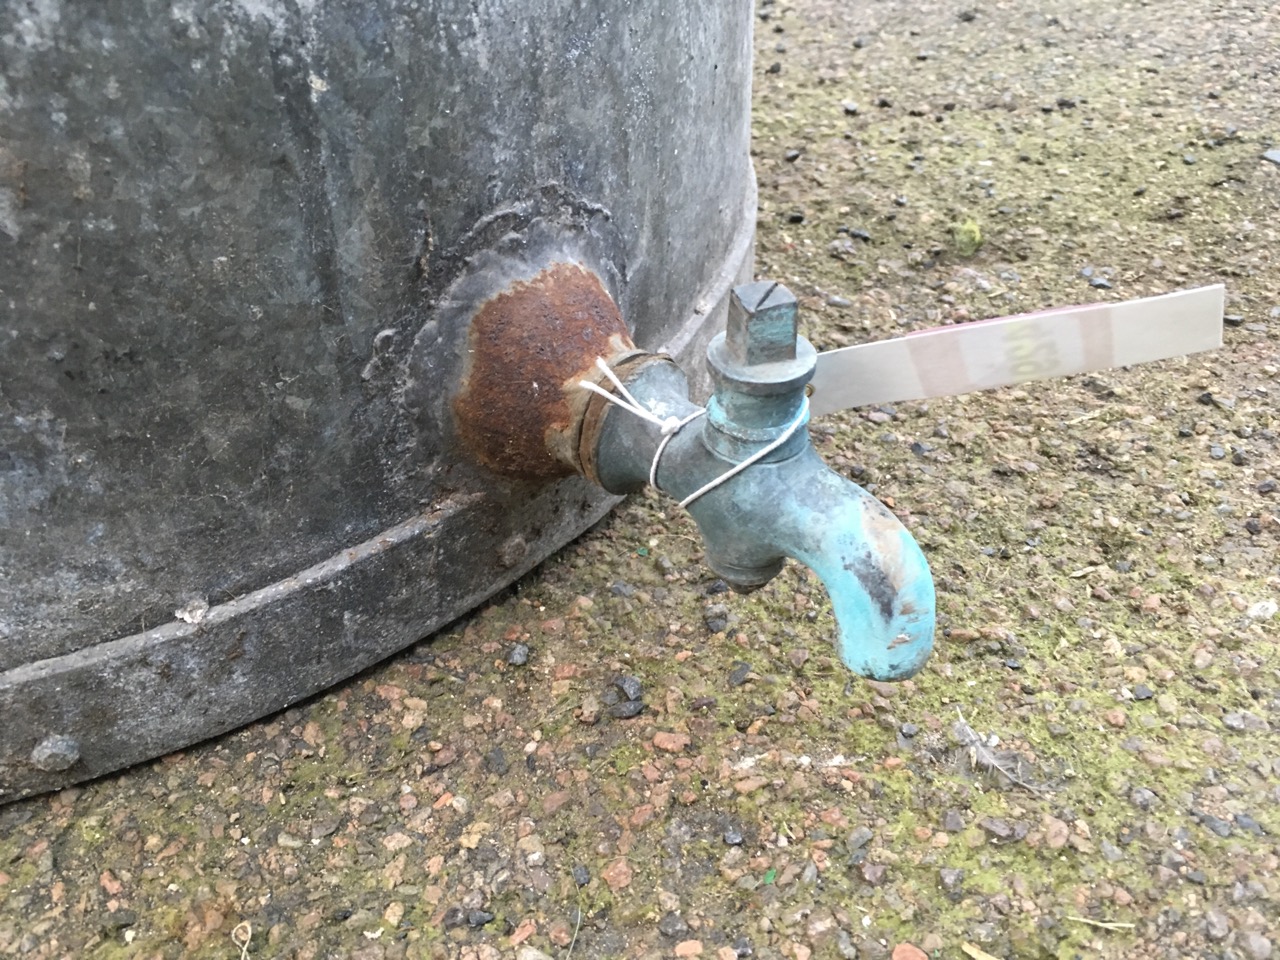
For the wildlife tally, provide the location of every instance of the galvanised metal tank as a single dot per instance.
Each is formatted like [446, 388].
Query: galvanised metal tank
[241, 246]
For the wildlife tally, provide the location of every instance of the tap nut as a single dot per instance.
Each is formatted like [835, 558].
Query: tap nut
[762, 324]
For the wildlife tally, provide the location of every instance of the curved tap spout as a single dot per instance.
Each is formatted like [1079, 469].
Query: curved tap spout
[790, 504]
[875, 573]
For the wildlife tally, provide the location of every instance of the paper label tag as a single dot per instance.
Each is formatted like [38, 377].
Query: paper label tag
[946, 361]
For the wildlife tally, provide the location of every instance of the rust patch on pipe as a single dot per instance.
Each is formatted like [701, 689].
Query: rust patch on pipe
[519, 409]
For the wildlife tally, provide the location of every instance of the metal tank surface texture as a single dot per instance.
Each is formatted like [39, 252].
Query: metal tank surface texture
[245, 416]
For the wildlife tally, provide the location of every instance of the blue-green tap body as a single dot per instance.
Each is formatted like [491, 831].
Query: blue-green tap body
[790, 503]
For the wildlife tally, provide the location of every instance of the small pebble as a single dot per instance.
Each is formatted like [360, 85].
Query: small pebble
[120, 920]
[672, 925]
[1100, 283]
[1216, 924]
[626, 709]
[495, 761]
[581, 875]
[1254, 944]
[849, 107]
[1248, 824]
[519, 655]
[1142, 798]
[589, 712]
[791, 156]
[1143, 692]
[478, 918]
[859, 838]
[733, 836]
[1262, 610]
[1116, 717]
[1214, 824]
[997, 827]
[1110, 851]
[631, 687]
[716, 617]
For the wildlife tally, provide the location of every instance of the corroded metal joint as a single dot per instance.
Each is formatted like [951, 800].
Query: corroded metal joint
[626, 369]
[520, 409]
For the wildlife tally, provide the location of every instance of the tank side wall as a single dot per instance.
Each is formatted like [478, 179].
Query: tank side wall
[222, 225]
